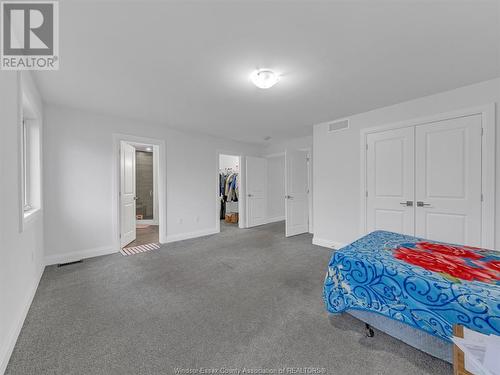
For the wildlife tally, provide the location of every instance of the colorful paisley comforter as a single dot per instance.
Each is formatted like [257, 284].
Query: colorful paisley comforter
[428, 285]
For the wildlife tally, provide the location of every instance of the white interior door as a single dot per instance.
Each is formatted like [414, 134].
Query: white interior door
[127, 193]
[390, 181]
[296, 193]
[448, 181]
[256, 191]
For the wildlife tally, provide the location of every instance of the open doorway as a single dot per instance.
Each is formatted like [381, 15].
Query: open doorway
[139, 214]
[229, 192]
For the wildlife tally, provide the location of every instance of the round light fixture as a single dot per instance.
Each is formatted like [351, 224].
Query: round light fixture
[264, 78]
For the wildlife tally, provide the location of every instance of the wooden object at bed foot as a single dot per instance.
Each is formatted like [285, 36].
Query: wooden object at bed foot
[458, 355]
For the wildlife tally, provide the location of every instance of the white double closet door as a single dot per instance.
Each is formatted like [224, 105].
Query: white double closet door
[296, 178]
[426, 181]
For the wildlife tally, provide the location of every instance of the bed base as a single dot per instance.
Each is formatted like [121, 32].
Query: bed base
[414, 337]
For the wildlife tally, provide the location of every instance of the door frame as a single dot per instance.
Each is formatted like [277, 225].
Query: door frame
[155, 220]
[159, 148]
[487, 113]
[242, 190]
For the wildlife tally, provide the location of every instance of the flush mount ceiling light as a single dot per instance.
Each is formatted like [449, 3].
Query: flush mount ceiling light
[264, 78]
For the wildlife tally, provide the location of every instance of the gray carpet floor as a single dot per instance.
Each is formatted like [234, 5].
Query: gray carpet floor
[239, 299]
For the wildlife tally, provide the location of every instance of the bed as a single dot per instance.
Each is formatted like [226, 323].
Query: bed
[415, 289]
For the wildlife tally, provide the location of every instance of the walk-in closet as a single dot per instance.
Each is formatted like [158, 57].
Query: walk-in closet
[229, 188]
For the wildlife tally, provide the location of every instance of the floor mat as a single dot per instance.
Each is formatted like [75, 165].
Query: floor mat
[139, 249]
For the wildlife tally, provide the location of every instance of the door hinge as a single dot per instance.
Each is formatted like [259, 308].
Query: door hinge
[482, 132]
[482, 197]
[366, 193]
[367, 146]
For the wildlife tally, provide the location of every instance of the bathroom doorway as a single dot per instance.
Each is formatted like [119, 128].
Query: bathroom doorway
[138, 194]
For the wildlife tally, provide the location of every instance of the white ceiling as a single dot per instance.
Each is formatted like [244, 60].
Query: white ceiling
[186, 64]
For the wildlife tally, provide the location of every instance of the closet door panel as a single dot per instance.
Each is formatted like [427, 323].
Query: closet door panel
[256, 183]
[448, 181]
[390, 181]
[296, 195]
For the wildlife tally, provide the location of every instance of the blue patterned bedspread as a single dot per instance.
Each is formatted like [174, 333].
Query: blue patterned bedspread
[425, 284]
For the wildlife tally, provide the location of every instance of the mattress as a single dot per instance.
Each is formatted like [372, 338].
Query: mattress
[425, 284]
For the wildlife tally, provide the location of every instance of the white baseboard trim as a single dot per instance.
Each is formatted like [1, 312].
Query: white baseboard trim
[275, 219]
[187, 236]
[327, 243]
[6, 352]
[78, 255]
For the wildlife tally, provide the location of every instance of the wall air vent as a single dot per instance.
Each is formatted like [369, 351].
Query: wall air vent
[338, 125]
[69, 263]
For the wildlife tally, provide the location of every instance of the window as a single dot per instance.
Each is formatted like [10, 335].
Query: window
[29, 148]
[25, 165]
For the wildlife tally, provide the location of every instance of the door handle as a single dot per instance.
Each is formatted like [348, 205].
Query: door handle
[407, 203]
[288, 197]
[422, 204]
[249, 195]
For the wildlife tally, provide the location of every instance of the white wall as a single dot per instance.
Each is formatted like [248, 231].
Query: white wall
[336, 159]
[276, 188]
[21, 251]
[300, 143]
[78, 180]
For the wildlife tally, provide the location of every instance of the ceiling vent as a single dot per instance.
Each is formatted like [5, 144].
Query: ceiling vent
[338, 125]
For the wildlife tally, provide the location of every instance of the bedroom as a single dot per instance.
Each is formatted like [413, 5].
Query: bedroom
[183, 77]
